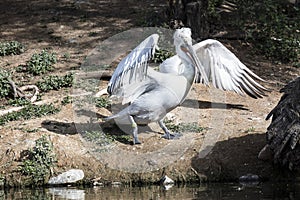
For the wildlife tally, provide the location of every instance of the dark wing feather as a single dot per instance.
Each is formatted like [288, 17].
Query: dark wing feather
[284, 131]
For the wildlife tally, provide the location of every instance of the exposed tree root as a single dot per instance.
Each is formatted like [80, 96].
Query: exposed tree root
[19, 92]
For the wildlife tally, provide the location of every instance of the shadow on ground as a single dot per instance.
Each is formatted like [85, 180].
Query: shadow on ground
[236, 157]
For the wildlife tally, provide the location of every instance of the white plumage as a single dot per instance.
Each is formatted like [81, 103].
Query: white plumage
[150, 94]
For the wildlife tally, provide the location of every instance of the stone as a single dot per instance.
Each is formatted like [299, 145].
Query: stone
[165, 180]
[249, 179]
[71, 176]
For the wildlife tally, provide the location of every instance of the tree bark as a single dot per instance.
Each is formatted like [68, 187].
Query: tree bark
[193, 14]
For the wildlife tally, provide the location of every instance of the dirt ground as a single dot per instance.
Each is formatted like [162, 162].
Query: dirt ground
[234, 125]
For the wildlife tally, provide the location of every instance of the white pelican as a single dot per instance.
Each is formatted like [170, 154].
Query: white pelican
[150, 94]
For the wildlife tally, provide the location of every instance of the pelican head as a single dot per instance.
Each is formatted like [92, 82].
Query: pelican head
[185, 50]
[183, 35]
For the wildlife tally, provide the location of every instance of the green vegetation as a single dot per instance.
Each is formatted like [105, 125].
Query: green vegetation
[11, 48]
[5, 88]
[19, 102]
[28, 130]
[249, 130]
[102, 102]
[28, 112]
[40, 63]
[273, 28]
[212, 8]
[66, 100]
[102, 139]
[183, 127]
[97, 137]
[161, 55]
[54, 82]
[39, 160]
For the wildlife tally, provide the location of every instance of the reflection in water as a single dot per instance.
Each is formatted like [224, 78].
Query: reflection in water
[266, 191]
[68, 193]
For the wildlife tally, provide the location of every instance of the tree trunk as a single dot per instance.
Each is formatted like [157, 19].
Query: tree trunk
[193, 14]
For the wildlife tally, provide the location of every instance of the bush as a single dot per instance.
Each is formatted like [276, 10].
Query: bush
[39, 160]
[54, 82]
[161, 55]
[5, 88]
[11, 48]
[273, 28]
[102, 102]
[41, 63]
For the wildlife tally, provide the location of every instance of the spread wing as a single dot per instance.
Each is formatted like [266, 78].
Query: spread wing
[132, 69]
[222, 67]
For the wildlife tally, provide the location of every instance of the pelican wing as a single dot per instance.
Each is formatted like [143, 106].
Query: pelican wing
[133, 68]
[222, 67]
[226, 71]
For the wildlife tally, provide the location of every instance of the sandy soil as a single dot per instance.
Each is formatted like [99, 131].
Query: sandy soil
[234, 125]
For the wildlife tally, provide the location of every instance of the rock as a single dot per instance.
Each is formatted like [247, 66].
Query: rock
[165, 180]
[249, 179]
[116, 183]
[96, 183]
[71, 176]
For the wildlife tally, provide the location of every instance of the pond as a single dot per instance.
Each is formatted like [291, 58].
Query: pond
[230, 191]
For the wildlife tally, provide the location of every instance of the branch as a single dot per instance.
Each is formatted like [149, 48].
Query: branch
[20, 91]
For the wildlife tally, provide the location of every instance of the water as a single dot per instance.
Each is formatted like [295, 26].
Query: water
[229, 191]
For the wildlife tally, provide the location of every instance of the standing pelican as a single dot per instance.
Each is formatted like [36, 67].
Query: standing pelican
[150, 94]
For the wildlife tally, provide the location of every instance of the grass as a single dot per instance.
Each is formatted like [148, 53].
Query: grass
[98, 138]
[28, 130]
[183, 127]
[29, 112]
[39, 160]
[11, 48]
[102, 139]
[249, 130]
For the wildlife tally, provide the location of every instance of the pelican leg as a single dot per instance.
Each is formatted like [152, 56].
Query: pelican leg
[168, 135]
[134, 131]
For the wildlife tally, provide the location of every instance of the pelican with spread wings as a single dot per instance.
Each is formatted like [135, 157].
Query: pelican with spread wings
[150, 95]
